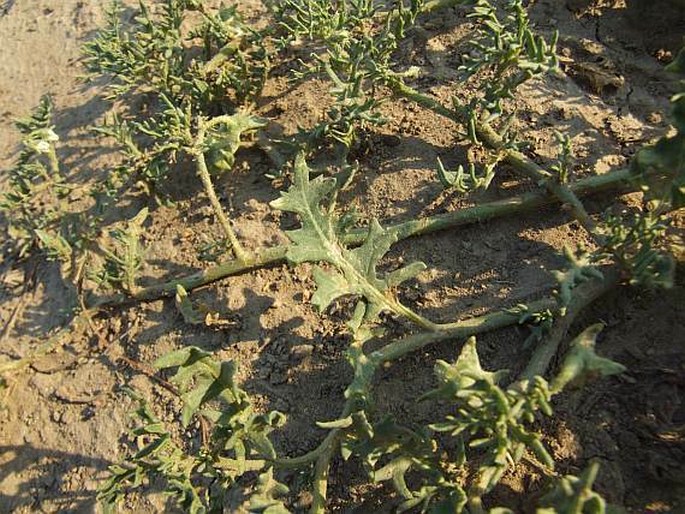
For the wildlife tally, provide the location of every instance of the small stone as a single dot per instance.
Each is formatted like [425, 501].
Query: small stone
[302, 351]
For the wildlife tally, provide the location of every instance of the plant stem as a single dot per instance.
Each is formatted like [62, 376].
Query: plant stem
[322, 455]
[458, 330]
[320, 485]
[518, 160]
[428, 225]
[524, 164]
[260, 259]
[583, 296]
[434, 5]
[240, 253]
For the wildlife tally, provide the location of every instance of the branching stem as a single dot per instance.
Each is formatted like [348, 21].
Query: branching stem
[322, 454]
[518, 160]
[271, 256]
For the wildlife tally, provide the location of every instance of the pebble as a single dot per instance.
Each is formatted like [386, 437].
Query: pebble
[302, 351]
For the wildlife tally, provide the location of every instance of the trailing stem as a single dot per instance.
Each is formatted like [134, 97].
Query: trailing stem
[271, 256]
[484, 131]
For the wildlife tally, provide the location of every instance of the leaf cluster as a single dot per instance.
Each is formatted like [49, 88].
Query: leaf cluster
[215, 57]
[351, 43]
[637, 241]
[189, 63]
[508, 50]
[239, 449]
[451, 463]
[34, 202]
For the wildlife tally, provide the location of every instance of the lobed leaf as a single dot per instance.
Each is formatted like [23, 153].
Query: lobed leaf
[317, 241]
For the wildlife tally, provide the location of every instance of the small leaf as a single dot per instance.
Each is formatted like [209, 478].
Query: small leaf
[582, 363]
[265, 500]
[463, 373]
[185, 307]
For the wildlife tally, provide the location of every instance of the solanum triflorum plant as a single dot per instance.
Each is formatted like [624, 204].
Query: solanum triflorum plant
[200, 72]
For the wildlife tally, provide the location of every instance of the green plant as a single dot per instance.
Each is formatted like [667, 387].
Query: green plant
[509, 51]
[123, 262]
[239, 443]
[350, 45]
[212, 69]
[198, 73]
[34, 202]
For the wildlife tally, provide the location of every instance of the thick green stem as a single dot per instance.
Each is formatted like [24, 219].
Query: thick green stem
[320, 486]
[428, 225]
[524, 164]
[322, 456]
[518, 160]
[458, 330]
[263, 258]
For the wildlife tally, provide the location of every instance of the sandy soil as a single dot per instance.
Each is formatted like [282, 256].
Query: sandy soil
[63, 421]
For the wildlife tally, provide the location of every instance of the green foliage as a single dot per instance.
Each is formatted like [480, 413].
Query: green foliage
[152, 159]
[660, 168]
[185, 307]
[488, 418]
[489, 430]
[574, 495]
[194, 75]
[463, 181]
[123, 261]
[193, 64]
[34, 201]
[352, 44]
[582, 363]
[157, 455]
[223, 139]
[239, 446]
[563, 166]
[153, 54]
[540, 323]
[635, 243]
[509, 51]
[319, 241]
[391, 452]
